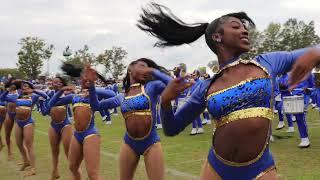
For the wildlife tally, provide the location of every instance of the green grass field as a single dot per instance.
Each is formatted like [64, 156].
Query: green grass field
[184, 154]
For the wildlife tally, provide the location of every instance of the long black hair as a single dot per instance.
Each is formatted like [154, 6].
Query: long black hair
[160, 22]
[13, 81]
[75, 71]
[150, 63]
[63, 80]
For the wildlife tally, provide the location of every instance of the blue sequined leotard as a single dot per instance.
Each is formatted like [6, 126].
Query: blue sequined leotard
[247, 99]
[46, 109]
[143, 104]
[24, 102]
[77, 101]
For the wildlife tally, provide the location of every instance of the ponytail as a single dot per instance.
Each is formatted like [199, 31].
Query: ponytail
[169, 29]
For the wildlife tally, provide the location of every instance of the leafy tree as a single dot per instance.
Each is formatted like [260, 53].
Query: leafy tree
[80, 57]
[256, 39]
[32, 54]
[112, 59]
[297, 34]
[293, 34]
[213, 65]
[202, 70]
[14, 72]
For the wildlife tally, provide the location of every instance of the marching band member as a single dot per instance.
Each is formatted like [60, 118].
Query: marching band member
[196, 124]
[281, 84]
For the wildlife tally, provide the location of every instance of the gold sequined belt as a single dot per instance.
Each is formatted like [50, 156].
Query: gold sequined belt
[138, 113]
[24, 107]
[261, 112]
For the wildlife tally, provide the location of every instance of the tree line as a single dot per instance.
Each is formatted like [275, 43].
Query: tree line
[34, 51]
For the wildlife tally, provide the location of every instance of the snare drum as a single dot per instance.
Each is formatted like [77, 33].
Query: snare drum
[293, 104]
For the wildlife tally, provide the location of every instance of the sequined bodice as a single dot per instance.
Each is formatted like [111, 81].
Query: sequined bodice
[252, 93]
[79, 99]
[139, 102]
[24, 102]
[12, 97]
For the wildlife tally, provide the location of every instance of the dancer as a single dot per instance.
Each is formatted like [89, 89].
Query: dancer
[85, 142]
[138, 107]
[238, 96]
[13, 86]
[24, 131]
[60, 129]
[3, 113]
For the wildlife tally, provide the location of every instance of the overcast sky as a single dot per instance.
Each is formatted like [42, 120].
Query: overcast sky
[102, 24]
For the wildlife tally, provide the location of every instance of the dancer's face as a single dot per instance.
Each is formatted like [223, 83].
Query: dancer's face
[57, 83]
[26, 88]
[135, 73]
[85, 83]
[235, 35]
[50, 84]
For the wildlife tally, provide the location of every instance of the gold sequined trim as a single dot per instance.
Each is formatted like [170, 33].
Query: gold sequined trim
[138, 113]
[237, 164]
[245, 113]
[265, 172]
[81, 104]
[91, 135]
[29, 124]
[244, 62]
[64, 127]
[141, 93]
[231, 87]
[24, 107]
[141, 112]
[60, 107]
[135, 85]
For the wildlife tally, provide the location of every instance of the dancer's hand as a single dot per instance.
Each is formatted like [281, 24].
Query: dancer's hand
[68, 88]
[303, 66]
[173, 89]
[90, 74]
[143, 72]
[28, 91]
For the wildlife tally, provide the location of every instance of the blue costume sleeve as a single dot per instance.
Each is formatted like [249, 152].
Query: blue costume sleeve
[94, 102]
[57, 101]
[50, 93]
[115, 88]
[154, 88]
[111, 102]
[34, 98]
[104, 93]
[161, 76]
[3, 96]
[310, 81]
[173, 124]
[38, 94]
[280, 62]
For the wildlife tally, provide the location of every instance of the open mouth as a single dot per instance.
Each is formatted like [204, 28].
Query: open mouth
[245, 38]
